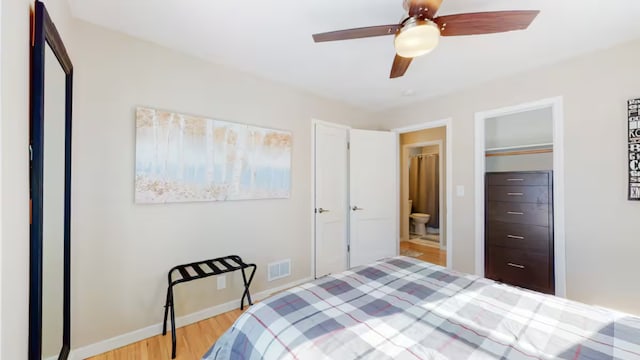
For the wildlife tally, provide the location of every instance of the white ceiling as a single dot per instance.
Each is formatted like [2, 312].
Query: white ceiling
[272, 38]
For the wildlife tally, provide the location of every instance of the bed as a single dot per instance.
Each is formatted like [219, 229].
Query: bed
[403, 308]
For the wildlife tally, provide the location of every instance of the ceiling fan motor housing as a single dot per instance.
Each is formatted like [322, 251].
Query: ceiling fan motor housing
[416, 37]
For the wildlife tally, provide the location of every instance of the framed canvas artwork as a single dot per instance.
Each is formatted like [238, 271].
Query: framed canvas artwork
[182, 158]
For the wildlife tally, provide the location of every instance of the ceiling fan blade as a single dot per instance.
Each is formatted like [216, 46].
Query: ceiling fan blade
[357, 33]
[485, 22]
[424, 8]
[400, 66]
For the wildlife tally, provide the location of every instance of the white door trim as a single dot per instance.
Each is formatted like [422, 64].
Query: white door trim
[556, 105]
[315, 122]
[441, 180]
[447, 124]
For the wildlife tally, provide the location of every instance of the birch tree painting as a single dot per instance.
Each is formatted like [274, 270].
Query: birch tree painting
[187, 158]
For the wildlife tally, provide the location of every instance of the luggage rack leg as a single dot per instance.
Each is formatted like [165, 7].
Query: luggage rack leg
[168, 307]
[166, 312]
[246, 285]
[173, 325]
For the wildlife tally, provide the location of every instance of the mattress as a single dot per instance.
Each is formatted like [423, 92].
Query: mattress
[403, 308]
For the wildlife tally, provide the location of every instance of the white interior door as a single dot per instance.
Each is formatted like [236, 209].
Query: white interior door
[373, 196]
[331, 202]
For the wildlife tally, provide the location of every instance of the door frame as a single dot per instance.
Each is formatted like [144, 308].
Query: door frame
[315, 122]
[447, 124]
[556, 105]
[441, 179]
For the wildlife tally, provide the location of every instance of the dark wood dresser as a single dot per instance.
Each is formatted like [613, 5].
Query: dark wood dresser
[519, 229]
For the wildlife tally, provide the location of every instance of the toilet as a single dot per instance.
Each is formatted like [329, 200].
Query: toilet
[418, 221]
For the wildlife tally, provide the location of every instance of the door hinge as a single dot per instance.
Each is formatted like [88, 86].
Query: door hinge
[348, 145]
[30, 153]
[348, 248]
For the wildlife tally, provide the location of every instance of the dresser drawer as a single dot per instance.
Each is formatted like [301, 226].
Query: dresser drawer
[530, 194]
[520, 268]
[518, 213]
[518, 236]
[519, 178]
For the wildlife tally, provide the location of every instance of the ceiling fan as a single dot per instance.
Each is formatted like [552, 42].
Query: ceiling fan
[419, 31]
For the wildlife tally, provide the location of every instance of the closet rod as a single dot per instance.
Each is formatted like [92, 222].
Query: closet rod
[519, 152]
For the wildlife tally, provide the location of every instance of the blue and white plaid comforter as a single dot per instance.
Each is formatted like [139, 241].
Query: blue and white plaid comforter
[402, 308]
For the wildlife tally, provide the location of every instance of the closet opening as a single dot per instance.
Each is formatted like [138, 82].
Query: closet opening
[519, 196]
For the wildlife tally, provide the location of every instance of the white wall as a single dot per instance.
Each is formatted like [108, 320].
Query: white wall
[122, 251]
[527, 162]
[525, 128]
[601, 235]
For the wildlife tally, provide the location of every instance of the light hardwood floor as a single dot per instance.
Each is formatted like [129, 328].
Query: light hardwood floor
[429, 254]
[192, 341]
[195, 339]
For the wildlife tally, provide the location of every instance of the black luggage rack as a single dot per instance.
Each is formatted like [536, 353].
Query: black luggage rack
[200, 270]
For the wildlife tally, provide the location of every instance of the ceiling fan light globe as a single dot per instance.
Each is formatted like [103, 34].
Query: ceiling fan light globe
[417, 38]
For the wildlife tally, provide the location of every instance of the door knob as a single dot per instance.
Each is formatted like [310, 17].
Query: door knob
[321, 210]
[355, 208]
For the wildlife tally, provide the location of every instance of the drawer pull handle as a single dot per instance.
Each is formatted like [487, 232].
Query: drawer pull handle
[515, 179]
[515, 237]
[516, 265]
[515, 194]
[515, 213]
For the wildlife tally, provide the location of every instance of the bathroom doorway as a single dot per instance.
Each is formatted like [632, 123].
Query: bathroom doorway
[424, 193]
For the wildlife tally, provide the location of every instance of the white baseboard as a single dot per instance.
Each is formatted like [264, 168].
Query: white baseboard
[156, 329]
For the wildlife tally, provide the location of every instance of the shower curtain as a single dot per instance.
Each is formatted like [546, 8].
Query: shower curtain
[424, 187]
